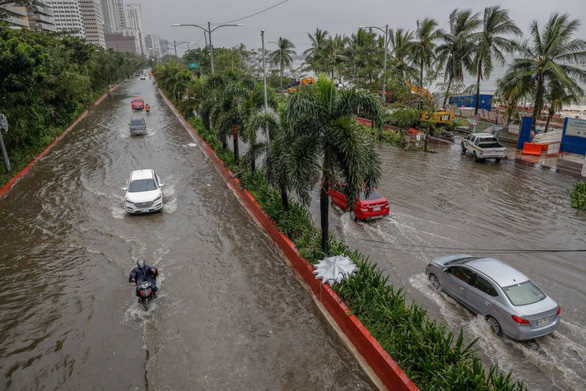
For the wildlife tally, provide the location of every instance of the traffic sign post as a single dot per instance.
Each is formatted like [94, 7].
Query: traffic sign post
[4, 127]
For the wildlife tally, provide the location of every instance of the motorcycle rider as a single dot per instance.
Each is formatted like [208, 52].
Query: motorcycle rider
[142, 272]
[147, 108]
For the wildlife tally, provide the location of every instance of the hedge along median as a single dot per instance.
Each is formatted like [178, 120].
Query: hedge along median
[47, 147]
[374, 315]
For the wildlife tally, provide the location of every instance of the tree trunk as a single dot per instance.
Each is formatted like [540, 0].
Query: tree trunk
[284, 198]
[548, 119]
[538, 100]
[425, 141]
[448, 91]
[253, 164]
[324, 205]
[235, 141]
[421, 84]
[478, 87]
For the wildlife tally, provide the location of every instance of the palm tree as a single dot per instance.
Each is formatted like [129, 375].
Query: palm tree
[424, 45]
[314, 56]
[323, 139]
[334, 53]
[401, 42]
[491, 42]
[282, 55]
[455, 52]
[551, 55]
[511, 89]
[558, 96]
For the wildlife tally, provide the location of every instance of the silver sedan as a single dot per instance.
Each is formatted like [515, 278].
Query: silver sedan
[512, 304]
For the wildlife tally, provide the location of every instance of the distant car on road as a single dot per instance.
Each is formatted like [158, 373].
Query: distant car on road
[511, 303]
[143, 192]
[137, 104]
[368, 207]
[483, 146]
[137, 126]
[143, 77]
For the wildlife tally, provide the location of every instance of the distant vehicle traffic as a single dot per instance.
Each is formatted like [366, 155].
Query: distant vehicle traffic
[137, 104]
[143, 192]
[143, 77]
[483, 146]
[511, 303]
[137, 126]
[368, 207]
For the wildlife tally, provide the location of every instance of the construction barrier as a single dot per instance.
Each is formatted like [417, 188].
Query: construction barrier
[532, 149]
[551, 148]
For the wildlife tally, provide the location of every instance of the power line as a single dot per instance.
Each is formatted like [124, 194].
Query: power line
[436, 249]
[254, 14]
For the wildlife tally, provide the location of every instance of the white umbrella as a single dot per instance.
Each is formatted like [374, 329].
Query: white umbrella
[334, 269]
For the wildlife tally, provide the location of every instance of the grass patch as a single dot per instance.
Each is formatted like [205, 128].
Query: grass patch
[578, 196]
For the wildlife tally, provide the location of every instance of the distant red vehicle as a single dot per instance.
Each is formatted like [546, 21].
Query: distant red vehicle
[372, 207]
[137, 104]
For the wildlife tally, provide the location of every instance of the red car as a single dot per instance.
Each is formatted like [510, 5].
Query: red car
[372, 207]
[137, 104]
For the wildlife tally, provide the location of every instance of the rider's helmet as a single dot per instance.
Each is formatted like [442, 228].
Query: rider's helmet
[140, 263]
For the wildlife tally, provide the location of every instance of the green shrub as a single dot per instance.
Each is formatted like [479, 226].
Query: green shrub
[578, 196]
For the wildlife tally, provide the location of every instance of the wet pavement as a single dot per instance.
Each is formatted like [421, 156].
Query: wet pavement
[444, 202]
[230, 313]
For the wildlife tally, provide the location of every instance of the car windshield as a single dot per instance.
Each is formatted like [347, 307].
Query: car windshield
[137, 101]
[524, 293]
[137, 121]
[373, 195]
[142, 185]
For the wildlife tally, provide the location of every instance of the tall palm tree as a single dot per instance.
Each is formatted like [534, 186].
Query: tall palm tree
[424, 45]
[454, 54]
[511, 89]
[551, 55]
[401, 42]
[557, 96]
[324, 139]
[334, 54]
[314, 56]
[492, 42]
[282, 55]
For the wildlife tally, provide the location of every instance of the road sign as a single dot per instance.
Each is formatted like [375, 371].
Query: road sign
[193, 65]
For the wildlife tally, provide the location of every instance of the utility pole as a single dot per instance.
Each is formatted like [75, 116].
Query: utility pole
[264, 68]
[211, 48]
[4, 126]
[175, 46]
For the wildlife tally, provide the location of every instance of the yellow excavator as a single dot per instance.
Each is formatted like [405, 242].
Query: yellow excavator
[438, 117]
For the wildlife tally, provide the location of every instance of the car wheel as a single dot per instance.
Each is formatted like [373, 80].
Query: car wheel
[434, 281]
[494, 325]
[497, 160]
[476, 159]
[463, 150]
[353, 215]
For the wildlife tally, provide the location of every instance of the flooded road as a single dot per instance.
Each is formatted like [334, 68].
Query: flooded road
[230, 313]
[444, 202]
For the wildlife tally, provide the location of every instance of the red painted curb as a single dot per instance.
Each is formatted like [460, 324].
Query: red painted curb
[27, 168]
[388, 371]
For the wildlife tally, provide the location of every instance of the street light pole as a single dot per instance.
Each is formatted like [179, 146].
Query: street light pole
[264, 68]
[209, 31]
[4, 127]
[175, 46]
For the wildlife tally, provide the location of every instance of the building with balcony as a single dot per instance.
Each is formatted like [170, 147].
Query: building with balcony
[93, 24]
[16, 17]
[68, 18]
[40, 17]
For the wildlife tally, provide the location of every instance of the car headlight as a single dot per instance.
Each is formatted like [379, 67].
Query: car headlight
[159, 197]
[129, 202]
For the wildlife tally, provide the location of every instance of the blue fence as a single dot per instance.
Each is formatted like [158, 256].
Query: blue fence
[574, 136]
[470, 101]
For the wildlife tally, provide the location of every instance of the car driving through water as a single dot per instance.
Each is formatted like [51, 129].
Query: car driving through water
[512, 304]
[143, 192]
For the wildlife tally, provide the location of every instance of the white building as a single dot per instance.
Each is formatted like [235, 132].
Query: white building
[40, 16]
[113, 15]
[136, 35]
[153, 45]
[67, 15]
[134, 22]
[91, 12]
[16, 17]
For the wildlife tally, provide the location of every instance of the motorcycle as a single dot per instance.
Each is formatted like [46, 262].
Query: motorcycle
[146, 293]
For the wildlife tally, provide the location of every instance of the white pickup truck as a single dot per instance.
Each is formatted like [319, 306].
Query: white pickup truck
[483, 146]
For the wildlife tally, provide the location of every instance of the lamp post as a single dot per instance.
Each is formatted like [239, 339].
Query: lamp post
[175, 44]
[386, 32]
[264, 68]
[209, 31]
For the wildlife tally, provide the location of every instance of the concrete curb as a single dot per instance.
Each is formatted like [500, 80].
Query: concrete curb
[381, 364]
[27, 168]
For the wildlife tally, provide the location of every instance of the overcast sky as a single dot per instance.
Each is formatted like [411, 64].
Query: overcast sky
[295, 18]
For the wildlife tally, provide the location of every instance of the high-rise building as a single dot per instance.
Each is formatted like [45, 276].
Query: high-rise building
[165, 47]
[134, 22]
[121, 43]
[67, 15]
[16, 17]
[113, 15]
[135, 34]
[40, 16]
[91, 12]
[153, 45]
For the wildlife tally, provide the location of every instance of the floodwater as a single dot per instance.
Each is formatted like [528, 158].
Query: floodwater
[230, 313]
[444, 203]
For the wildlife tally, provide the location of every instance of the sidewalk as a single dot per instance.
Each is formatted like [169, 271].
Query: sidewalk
[568, 163]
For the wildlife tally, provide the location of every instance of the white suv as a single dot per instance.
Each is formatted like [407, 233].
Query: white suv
[143, 192]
